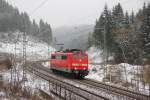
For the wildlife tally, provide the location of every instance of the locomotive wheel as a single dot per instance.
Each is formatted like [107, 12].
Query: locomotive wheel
[54, 71]
[73, 75]
[78, 76]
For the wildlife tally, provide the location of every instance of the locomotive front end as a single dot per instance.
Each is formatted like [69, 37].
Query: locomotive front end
[80, 64]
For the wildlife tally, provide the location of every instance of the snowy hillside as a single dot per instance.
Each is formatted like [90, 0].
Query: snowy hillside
[35, 49]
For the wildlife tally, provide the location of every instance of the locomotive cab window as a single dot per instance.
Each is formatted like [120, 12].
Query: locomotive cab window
[75, 56]
[81, 56]
[53, 57]
[58, 57]
[64, 57]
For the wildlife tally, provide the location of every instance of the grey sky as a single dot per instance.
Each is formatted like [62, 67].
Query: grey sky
[71, 12]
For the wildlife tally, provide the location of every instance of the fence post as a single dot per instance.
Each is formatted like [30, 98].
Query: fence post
[49, 86]
[56, 88]
[60, 91]
[69, 95]
[65, 93]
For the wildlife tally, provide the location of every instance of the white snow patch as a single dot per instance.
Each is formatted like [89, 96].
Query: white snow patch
[33, 83]
[123, 73]
[95, 72]
[46, 64]
[35, 49]
[2, 94]
[95, 55]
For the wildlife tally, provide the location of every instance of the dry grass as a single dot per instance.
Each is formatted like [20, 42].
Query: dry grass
[17, 92]
[5, 64]
[147, 74]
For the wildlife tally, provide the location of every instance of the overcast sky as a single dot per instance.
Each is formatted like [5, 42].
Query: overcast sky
[71, 12]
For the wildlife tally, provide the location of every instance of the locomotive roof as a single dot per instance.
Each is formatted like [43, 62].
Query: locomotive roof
[69, 51]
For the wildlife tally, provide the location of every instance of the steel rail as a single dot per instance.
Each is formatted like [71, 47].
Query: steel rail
[108, 87]
[74, 89]
[119, 90]
[113, 90]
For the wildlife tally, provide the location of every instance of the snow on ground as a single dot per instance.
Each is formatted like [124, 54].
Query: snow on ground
[95, 72]
[35, 49]
[120, 73]
[46, 64]
[2, 94]
[33, 83]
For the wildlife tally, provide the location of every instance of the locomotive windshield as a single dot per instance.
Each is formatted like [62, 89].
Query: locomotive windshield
[72, 50]
[79, 56]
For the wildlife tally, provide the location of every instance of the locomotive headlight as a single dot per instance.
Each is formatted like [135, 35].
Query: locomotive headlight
[84, 64]
[84, 68]
[75, 64]
[75, 68]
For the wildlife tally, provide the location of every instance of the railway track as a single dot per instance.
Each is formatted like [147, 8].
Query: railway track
[115, 92]
[106, 90]
[80, 92]
[45, 95]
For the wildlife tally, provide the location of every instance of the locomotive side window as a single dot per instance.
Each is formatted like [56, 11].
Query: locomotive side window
[64, 57]
[75, 56]
[58, 57]
[53, 57]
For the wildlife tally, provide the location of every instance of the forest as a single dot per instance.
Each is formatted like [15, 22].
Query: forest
[12, 20]
[123, 35]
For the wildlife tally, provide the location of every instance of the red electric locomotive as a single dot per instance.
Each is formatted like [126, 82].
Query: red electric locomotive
[72, 61]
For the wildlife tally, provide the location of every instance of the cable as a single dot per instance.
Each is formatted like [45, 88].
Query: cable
[38, 7]
[93, 14]
[84, 18]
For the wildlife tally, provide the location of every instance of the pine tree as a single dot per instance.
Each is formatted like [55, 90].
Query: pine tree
[35, 28]
[145, 35]
[127, 36]
[132, 18]
[103, 36]
[98, 37]
[25, 23]
[45, 32]
[119, 23]
[126, 20]
[118, 16]
[12, 20]
[90, 41]
[108, 30]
